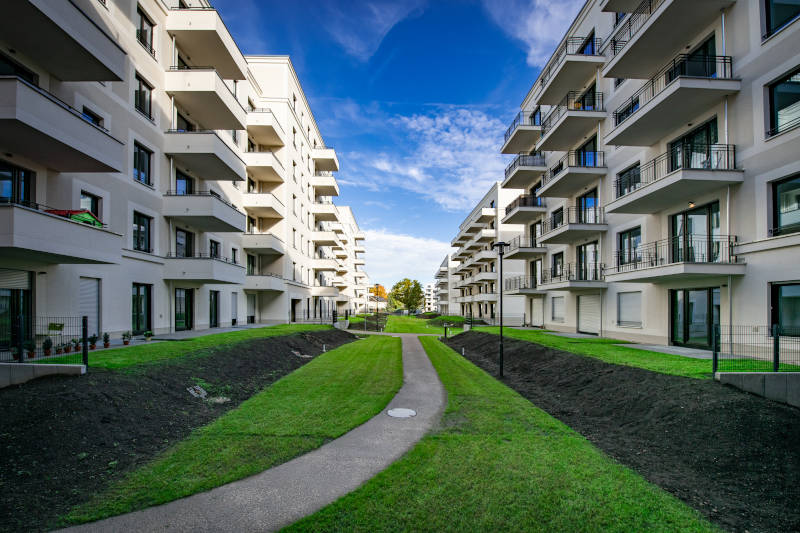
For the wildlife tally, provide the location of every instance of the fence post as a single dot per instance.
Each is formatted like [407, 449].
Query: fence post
[715, 350]
[85, 340]
[776, 348]
[20, 327]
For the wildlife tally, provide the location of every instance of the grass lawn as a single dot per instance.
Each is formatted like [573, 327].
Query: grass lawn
[319, 402]
[154, 352]
[605, 350]
[501, 464]
[411, 324]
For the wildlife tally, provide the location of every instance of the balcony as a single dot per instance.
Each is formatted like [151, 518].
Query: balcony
[324, 292]
[339, 283]
[324, 184]
[575, 223]
[264, 128]
[360, 236]
[205, 154]
[525, 247]
[573, 276]
[524, 209]
[524, 170]
[359, 262]
[523, 285]
[484, 256]
[324, 264]
[675, 178]
[267, 283]
[687, 258]
[263, 243]
[63, 40]
[657, 29]
[484, 236]
[359, 249]
[200, 33]
[340, 253]
[37, 125]
[620, 6]
[325, 159]
[204, 210]
[202, 268]
[571, 121]
[33, 233]
[573, 173]
[484, 297]
[575, 61]
[523, 134]
[264, 205]
[205, 97]
[264, 166]
[324, 211]
[681, 91]
[484, 277]
[324, 238]
[341, 269]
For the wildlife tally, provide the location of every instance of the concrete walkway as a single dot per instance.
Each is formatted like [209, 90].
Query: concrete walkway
[288, 492]
[694, 353]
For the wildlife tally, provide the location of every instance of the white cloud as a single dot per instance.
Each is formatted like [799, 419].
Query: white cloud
[539, 24]
[392, 257]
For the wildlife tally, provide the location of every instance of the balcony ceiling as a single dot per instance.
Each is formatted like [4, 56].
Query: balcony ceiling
[522, 139]
[682, 272]
[574, 71]
[570, 130]
[570, 181]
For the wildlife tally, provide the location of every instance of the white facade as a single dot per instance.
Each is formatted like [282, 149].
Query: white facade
[446, 292]
[430, 297]
[208, 178]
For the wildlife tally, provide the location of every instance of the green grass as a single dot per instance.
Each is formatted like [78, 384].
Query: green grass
[605, 350]
[160, 351]
[500, 464]
[318, 402]
[410, 324]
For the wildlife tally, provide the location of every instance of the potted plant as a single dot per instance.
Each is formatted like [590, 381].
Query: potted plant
[76, 344]
[148, 335]
[126, 338]
[68, 346]
[59, 348]
[29, 347]
[106, 340]
[15, 353]
[93, 341]
[47, 346]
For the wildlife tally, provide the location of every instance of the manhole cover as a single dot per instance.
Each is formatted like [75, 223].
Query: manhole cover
[402, 412]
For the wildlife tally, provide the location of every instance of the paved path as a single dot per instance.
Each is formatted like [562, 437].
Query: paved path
[288, 492]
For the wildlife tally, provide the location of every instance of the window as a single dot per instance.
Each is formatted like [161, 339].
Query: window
[588, 210]
[557, 264]
[588, 268]
[141, 232]
[618, 17]
[695, 236]
[92, 117]
[16, 184]
[779, 13]
[252, 225]
[183, 184]
[786, 306]
[235, 256]
[183, 124]
[628, 246]
[294, 271]
[142, 158]
[184, 243]
[251, 265]
[558, 309]
[786, 206]
[588, 100]
[629, 180]
[588, 46]
[9, 67]
[141, 308]
[213, 249]
[621, 114]
[784, 104]
[144, 31]
[143, 97]
[587, 155]
[294, 238]
[91, 203]
[629, 309]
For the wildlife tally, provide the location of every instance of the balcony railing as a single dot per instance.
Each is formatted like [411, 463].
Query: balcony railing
[213, 194]
[522, 282]
[573, 272]
[575, 158]
[523, 118]
[574, 101]
[712, 67]
[632, 26]
[681, 157]
[216, 257]
[522, 241]
[525, 200]
[251, 109]
[680, 249]
[143, 39]
[176, 68]
[525, 160]
[81, 216]
[574, 215]
[572, 46]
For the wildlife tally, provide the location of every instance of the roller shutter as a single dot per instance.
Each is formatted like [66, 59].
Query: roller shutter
[537, 312]
[234, 308]
[589, 313]
[14, 279]
[251, 308]
[90, 303]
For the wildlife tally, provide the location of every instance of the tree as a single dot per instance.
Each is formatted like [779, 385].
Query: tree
[409, 293]
[378, 290]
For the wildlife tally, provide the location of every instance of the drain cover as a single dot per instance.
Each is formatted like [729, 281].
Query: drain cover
[402, 412]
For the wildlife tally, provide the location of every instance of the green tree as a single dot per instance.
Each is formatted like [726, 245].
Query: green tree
[409, 293]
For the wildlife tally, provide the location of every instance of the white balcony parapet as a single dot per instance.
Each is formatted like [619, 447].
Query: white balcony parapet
[206, 97]
[205, 210]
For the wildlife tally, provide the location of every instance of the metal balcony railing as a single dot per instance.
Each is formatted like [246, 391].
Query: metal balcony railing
[631, 27]
[713, 67]
[525, 160]
[681, 157]
[522, 282]
[525, 200]
[523, 118]
[572, 46]
[575, 158]
[717, 249]
[522, 241]
[574, 101]
[198, 255]
[588, 271]
[202, 193]
[573, 215]
[78, 216]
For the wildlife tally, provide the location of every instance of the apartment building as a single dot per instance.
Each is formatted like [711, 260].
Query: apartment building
[154, 178]
[477, 276]
[446, 292]
[657, 157]
[429, 304]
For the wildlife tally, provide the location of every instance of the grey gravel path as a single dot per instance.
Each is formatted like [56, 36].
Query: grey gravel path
[288, 492]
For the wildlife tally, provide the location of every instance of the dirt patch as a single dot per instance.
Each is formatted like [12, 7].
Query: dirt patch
[64, 439]
[734, 457]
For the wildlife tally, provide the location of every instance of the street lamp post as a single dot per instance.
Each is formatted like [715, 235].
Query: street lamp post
[500, 245]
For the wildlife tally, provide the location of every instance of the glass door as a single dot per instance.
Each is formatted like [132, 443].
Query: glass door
[587, 208]
[587, 262]
[695, 235]
[184, 309]
[694, 314]
[213, 309]
[140, 309]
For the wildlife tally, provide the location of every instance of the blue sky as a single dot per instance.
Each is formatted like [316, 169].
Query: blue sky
[415, 96]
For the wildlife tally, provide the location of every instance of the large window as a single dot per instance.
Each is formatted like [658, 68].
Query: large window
[629, 180]
[91, 203]
[141, 232]
[16, 184]
[142, 164]
[9, 67]
[184, 243]
[141, 308]
[588, 210]
[628, 246]
[695, 236]
[144, 31]
[786, 307]
[629, 309]
[786, 206]
[588, 268]
[557, 264]
[183, 184]
[784, 103]
[693, 149]
[779, 13]
[213, 249]
[143, 96]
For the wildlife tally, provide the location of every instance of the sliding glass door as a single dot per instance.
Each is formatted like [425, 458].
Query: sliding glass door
[694, 313]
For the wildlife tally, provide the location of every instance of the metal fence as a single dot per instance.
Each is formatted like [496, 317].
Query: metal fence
[61, 340]
[756, 348]
[374, 322]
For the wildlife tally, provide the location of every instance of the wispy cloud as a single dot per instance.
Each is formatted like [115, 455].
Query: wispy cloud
[539, 24]
[361, 27]
[243, 16]
[392, 256]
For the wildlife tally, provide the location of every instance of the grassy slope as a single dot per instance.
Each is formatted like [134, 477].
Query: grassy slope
[164, 350]
[501, 464]
[410, 324]
[289, 418]
[606, 350]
